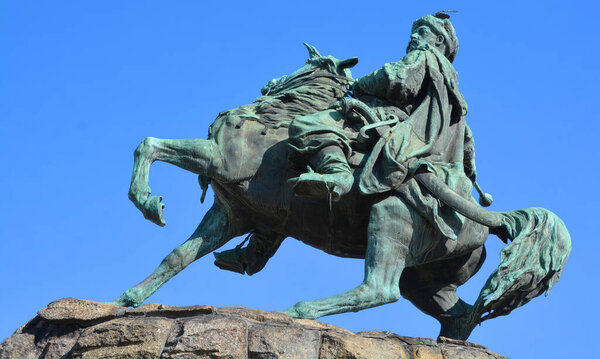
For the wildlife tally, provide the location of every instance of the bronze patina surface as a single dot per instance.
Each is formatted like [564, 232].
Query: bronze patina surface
[380, 168]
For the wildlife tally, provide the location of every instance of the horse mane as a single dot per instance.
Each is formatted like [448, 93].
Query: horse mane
[309, 93]
[279, 110]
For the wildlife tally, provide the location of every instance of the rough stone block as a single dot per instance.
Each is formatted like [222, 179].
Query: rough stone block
[340, 346]
[452, 351]
[280, 342]
[21, 346]
[310, 323]
[426, 352]
[256, 315]
[209, 337]
[163, 310]
[124, 338]
[71, 309]
[57, 348]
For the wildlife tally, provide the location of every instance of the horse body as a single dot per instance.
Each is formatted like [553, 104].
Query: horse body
[267, 202]
[245, 159]
[338, 228]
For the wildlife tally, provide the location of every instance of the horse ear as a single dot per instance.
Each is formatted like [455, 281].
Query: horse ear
[348, 63]
[312, 52]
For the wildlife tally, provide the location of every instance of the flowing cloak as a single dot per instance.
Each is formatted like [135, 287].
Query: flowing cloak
[434, 138]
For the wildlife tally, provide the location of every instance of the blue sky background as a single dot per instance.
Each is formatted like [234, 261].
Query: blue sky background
[82, 83]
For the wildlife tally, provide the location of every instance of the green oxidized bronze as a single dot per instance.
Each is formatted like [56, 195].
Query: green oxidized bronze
[380, 168]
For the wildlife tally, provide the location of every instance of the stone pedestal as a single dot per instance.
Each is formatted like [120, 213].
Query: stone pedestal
[72, 328]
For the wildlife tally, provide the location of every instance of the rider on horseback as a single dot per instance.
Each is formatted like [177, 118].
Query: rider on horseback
[411, 214]
[429, 133]
[407, 86]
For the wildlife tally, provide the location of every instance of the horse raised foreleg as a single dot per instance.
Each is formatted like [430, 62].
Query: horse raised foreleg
[214, 231]
[388, 234]
[194, 155]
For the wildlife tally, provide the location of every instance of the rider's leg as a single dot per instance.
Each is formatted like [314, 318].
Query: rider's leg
[332, 175]
[214, 231]
[195, 155]
[324, 139]
[432, 288]
[389, 232]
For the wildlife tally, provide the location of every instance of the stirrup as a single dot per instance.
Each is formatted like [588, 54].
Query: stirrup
[316, 185]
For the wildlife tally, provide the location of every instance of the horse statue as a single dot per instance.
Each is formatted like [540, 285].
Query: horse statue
[245, 160]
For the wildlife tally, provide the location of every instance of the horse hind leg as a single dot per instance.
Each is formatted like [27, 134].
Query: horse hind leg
[431, 287]
[194, 155]
[388, 234]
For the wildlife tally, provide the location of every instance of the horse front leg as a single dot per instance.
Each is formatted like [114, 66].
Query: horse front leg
[213, 232]
[194, 155]
[388, 235]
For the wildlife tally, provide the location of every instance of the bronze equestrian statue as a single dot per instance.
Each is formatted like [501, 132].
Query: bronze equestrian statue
[380, 168]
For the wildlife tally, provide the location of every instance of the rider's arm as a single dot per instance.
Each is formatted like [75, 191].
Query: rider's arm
[398, 82]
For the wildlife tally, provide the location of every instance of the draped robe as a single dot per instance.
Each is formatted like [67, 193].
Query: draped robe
[433, 138]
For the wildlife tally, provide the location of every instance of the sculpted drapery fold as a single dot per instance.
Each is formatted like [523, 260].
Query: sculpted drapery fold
[434, 138]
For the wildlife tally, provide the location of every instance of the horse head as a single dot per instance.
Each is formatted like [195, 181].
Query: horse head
[315, 63]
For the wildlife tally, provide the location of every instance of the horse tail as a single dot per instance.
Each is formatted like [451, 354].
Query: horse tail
[530, 265]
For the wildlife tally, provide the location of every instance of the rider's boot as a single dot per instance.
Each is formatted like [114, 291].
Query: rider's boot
[332, 177]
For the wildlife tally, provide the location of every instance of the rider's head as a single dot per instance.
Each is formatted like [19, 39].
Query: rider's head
[434, 32]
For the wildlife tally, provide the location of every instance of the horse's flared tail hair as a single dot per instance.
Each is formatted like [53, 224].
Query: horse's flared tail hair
[529, 266]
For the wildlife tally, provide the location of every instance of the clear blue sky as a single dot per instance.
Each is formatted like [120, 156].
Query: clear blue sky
[84, 82]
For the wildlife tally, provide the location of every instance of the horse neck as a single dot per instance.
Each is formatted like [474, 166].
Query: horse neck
[304, 93]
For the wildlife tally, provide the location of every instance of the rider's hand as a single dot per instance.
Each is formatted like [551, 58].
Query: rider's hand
[336, 105]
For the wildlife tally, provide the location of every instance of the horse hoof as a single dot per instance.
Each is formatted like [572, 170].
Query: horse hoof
[301, 310]
[123, 301]
[130, 298]
[460, 328]
[153, 210]
[292, 313]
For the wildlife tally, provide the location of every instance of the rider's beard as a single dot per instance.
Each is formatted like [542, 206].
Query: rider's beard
[412, 45]
[416, 45]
